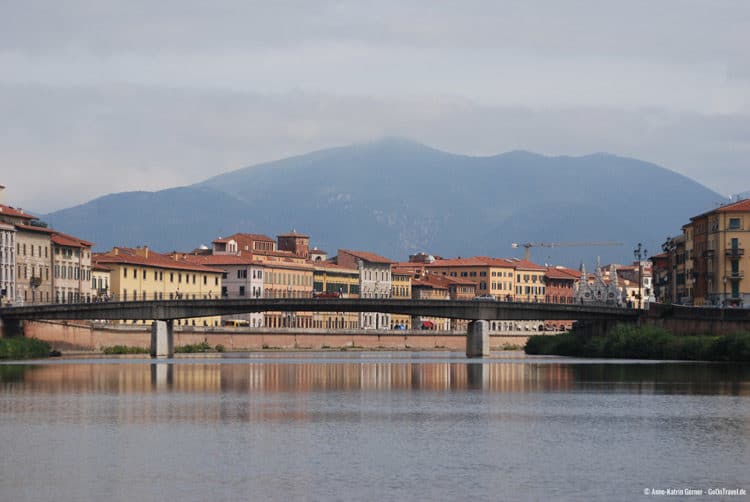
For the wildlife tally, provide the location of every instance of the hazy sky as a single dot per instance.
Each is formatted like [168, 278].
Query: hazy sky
[106, 96]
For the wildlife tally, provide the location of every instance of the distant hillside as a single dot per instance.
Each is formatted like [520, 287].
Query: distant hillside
[396, 197]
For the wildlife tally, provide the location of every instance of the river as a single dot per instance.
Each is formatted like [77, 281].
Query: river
[371, 426]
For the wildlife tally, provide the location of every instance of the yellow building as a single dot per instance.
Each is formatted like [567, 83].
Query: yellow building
[287, 278]
[530, 282]
[141, 274]
[401, 290]
[430, 288]
[687, 231]
[492, 276]
[719, 263]
[331, 280]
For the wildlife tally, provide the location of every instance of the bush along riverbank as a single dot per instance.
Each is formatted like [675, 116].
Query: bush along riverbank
[644, 342]
[20, 347]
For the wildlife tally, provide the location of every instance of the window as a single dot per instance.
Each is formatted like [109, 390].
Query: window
[144, 273]
[124, 272]
[242, 290]
[734, 223]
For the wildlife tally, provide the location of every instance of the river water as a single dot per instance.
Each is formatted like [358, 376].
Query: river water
[371, 426]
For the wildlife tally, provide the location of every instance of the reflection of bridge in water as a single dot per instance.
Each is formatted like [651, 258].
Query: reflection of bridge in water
[256, 388]
[163, 313]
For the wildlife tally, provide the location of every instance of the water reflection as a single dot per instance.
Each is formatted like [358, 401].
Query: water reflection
[243, 376]
[370, 426]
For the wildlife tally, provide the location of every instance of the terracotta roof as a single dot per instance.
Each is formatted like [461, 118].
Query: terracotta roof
[100, 266]
[743, 205]
[16, 213]
[288, 264]
[240, 237]
[428, 282]
[366, 256]
[68, 240]
[283, 254]
[333, 266]
[563, 273]
[131, 256]
[219, 260]
[486, 261]
[452, 280]
[32, 228]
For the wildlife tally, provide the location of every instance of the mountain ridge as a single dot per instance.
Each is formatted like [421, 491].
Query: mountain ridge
[396, 197]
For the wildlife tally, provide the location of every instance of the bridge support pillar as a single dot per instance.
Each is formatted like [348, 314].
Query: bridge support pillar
[478, 339]
[162, 339]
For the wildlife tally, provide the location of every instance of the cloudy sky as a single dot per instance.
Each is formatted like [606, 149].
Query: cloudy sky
[106, 96]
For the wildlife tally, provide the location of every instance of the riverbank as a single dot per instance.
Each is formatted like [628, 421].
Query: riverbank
[18, 348]
[645, 342]
[67, 336]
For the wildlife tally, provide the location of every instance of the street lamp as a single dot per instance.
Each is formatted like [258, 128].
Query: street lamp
[639, 253]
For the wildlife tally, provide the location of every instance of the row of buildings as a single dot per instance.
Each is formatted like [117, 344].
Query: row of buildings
[42, 265]
[705, 264]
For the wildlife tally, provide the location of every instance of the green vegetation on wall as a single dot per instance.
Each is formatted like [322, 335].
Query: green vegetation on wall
[645, 342]
[20, 347]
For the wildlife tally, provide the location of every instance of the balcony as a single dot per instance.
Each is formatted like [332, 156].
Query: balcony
[709, 253]
[734, 252]
[739, 274]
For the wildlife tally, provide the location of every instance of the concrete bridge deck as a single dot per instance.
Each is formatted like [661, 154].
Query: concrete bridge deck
[181, 309]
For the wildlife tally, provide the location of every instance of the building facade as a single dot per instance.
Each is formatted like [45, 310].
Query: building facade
[374, 282]
[7, 263]
[71, 262]
[139, 274]
[492, 276]
[33, 261]
[401, 290]
[720, 261]
[331, 281]
[100, 278]
[241, 277]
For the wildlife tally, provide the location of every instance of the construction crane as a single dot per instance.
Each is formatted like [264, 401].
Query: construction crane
[529, 245]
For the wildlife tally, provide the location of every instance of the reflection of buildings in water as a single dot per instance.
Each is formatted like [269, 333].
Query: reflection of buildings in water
[268, 376]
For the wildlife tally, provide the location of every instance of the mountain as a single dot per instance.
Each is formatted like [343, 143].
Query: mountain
[396, 197]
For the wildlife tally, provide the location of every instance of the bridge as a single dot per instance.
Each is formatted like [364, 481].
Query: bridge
[163, 313]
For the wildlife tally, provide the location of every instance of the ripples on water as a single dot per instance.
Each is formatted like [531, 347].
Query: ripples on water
[369, 426]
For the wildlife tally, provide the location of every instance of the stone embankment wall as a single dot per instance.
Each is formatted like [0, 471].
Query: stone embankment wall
[698, 321]
[87, 336]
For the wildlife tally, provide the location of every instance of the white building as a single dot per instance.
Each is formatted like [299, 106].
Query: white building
[242, 277]
[7, 263]
[374, 282]
[598, 291]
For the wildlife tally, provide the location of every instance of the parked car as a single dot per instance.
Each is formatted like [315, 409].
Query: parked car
[485, 298]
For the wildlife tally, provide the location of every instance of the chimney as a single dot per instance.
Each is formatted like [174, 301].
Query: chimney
[1, 193]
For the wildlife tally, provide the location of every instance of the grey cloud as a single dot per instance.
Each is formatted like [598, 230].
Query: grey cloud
[69, 145]
[672, 29]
